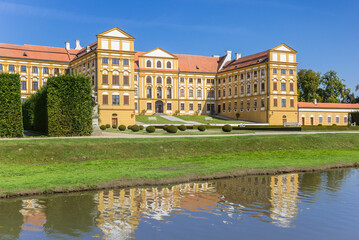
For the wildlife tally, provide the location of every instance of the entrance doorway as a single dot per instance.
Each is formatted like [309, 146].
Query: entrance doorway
[312, 121]
[114, 121]
[303, 121]
[219, 109]
[284, 119]
[159, 107]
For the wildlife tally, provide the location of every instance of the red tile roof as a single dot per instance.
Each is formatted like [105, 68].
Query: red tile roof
[246, 61]
[328, 105]
[37, 52]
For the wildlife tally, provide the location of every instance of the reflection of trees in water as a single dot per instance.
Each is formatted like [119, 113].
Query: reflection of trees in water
[10, 219]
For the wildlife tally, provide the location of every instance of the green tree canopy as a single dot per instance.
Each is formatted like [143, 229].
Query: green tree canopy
[333, 87]
[308, 84]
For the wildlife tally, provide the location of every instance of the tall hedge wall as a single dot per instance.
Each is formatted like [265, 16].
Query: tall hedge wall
[69, 105]
[10, 106]
[355, 117]
[34, 111]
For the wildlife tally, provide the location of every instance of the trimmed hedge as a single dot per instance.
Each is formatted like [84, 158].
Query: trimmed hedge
[202, 128]
[227, 128]
[150, 129]
[135, 128]
[122, 127]
[103, 127]
[11, 124]
[182, 128]
[172, 129]
[69, 105]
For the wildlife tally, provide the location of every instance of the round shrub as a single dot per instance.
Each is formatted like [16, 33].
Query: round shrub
[114, 126]
[320, 125]
[135, 128]
[122, 127]
[103, 127]
[129, 127]
[165, 127]
[202, 128]
[182, 128]
[227, 128]
[141, 127]
[172, 129]
[150, 129]
[108, 125]
[334, 125]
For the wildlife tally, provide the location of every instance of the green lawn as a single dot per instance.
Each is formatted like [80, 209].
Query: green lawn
[201, 119]
[160, 120]
[47, 164]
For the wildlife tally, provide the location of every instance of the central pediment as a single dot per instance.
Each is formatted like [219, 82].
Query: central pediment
[158, 52]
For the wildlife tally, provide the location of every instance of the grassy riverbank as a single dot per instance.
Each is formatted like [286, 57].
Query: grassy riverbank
[55, 165]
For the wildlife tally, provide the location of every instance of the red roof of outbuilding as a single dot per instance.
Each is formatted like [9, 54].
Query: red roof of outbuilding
[328, 105]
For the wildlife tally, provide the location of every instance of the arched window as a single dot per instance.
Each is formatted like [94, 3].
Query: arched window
[169, 80]
[169, 93]
[169, 65]
[159, 92]
[149, 80]
[149, 64]
[149, 92]
[159, 64]
[159, 80]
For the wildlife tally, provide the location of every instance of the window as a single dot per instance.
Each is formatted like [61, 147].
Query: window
[255, 73]
[235, 77]
[56, 71]
[219, 81]
[229, 106]
[104, 79]
[23, 85]
[283, 86]
[34, 69]
[248, 89]
[126, 100]
[337, 119]
[149, 92]
[159, 80]
[248, 75]
[345, 119]
[275, 86]
[255, 103]
[148, 80]
[23, 68]
[116, 100]
[263, 87]
[191, 93]
[224, 80]
[242, 90]
[262, 103]
[169, 65]
[149, 64]
[115, 80]
[199, 80]
[208, 107]
[235, 106]
[181, 80]
[35, 86]
[46, 70]
[283, 71]
[136, 91]
[126, 62]
[210, 94]
[169, 106]
[190, 80]
[208, 81]
[224, 92]
[248, 104]
[104, 99]
[199, 93]
[242, 105]
[11, 68]
[292, 103]
[242, 76]
[169, 93]
[0, 67]
[149, 106]
[126, 80]
[169, 80]
[182, 92]
[136, 77]
[136, 107]
[104, 60]
[224, 107]
[235, 91]
[262, 72]
[199, 107]
[159, 92]
[255, 88]
[275, 102]
[291, 71]
[230, 92]
[284, 103]
[275, 71]
[291, 87]
[182, 106]
[320, 119]
[191, 106]
[159, 64]
[329, 119]
[219, 93]
[115, 61]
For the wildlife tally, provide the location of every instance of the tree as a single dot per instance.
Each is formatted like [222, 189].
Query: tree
[308, 85]
[357, 88]
[348, 96]
[333, 88]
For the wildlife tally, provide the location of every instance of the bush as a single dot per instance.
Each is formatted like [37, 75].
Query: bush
[122, 127]
[141, 127]
[227, 128]
[172, 129]
[108, 125]
[150, 129]
[114, 126]
[182, 128]
[135, 128]
[103, 127]
[11, 122]
[334, 125]
[165, 127]
[202, 128]
[129, 127]
[320, 125]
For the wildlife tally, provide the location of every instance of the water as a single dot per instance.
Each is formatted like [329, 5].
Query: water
[322, 205]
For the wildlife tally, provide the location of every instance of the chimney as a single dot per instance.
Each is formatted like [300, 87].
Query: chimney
[229, 55]
[78, 46]
[88, 48]
[315, 102]
[67, 46]
[238, 56]
[215, 56]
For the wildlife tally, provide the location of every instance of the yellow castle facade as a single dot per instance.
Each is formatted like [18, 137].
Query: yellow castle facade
[261, 87]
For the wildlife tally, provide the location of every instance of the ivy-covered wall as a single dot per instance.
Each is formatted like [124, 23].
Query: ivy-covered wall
[10, 106]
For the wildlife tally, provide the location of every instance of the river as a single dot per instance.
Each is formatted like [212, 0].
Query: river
[319, 205]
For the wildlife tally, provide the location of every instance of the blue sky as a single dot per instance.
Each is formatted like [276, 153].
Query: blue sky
[325, 33]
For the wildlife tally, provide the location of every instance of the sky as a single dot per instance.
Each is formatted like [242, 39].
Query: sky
[324, 32]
